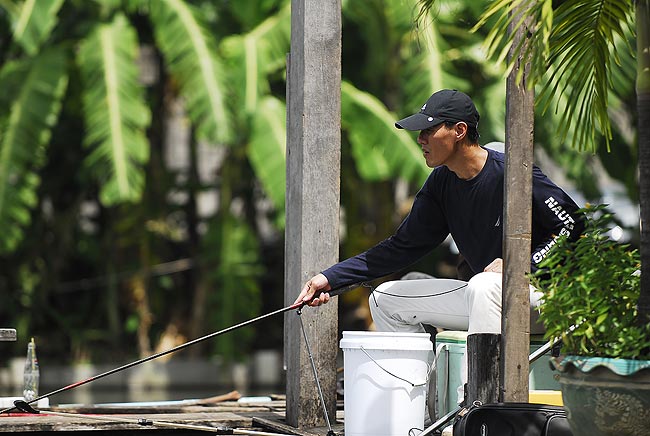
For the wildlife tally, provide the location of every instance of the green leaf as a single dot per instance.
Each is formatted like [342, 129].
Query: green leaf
[253, 56]
[267, 149]
[32, 22]
[29, 107]
[591, 293]
[232, 250]
[572, 58]
[189, 54]
[116, 115]
[381, 151]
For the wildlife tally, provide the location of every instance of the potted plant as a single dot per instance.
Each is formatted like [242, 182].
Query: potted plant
[591, 288]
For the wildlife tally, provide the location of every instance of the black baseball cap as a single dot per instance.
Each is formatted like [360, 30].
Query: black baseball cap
[444, 105]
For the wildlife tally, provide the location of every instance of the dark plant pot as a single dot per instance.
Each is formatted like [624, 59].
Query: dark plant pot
[605, 397]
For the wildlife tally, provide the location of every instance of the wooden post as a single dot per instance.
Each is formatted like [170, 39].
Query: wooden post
[643, 123]
[517, 231]
[483, 361]
[312, 201]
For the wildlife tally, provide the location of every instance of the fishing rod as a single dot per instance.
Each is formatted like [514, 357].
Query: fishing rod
[23, 406]
[294, 306]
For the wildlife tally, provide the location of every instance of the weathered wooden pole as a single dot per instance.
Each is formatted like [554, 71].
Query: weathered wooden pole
[517, 228]
[312, 201]
[483, 367]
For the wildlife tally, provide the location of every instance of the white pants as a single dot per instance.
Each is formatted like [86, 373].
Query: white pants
[474, 306]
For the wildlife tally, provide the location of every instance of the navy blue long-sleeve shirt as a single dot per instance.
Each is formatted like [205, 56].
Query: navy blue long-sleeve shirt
[471, 211]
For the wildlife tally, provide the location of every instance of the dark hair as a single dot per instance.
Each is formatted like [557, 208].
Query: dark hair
[472, 131]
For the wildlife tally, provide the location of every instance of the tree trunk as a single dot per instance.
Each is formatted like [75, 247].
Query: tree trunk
[643, 108]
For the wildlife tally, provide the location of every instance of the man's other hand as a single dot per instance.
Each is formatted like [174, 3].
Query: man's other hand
[495, 266]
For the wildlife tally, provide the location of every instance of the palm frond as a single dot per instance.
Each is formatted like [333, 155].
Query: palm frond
[29, 108]
[582, 53]
[251, 57]
[423, 62]
[267, 149]
[32, 22]
[381, 151]
[573, 50]
[190, 55]
[440, 54]
[116, 115]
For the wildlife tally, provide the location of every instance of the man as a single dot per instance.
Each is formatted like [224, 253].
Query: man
[463, 197]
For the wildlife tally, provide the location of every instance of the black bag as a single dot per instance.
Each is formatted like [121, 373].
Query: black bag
[512, 419]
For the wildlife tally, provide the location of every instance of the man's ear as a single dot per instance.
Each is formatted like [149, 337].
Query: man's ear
[461, 130]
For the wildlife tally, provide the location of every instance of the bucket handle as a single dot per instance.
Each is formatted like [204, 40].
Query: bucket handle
[396, 376]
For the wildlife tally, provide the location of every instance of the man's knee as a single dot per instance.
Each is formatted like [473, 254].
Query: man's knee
[485, 286]
[416, 275]
[484, 303]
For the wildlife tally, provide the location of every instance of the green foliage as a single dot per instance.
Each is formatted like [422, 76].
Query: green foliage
[267, 151]
[191, 57]
[252, 58]
[234, 280]
[381, 151]
[447, 54]
[571, 48]
[591, 287]
[116, 116]
[29, 107]
[32, 22]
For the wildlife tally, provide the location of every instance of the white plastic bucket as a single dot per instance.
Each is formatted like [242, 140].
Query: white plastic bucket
[385, 376]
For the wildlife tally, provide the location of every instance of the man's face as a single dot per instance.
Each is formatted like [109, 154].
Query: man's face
[438, 144]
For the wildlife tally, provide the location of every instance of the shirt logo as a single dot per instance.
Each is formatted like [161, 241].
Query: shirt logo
[498, 223]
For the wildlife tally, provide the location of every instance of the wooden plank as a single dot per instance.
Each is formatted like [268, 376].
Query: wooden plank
[279, 425]
[312, 200]
[7, 334]
[517, 231]
[483, 361]
[44, 422]
[167, 409]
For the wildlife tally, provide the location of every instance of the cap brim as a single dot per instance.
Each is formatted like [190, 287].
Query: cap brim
[418, 121]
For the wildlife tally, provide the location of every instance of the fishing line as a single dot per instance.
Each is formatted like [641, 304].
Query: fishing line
[415, 385]
[374, 290]
[313, 367]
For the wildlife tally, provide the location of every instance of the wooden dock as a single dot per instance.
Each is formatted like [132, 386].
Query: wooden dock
[267, 416]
